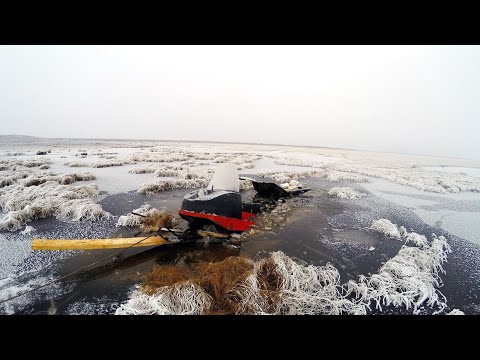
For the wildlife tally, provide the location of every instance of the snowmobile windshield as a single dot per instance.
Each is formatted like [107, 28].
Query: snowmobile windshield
[225, 178]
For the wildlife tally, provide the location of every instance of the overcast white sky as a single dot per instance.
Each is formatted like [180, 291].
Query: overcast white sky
[413, 99]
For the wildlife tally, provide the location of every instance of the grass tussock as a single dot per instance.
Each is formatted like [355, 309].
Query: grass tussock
[237, 285]
[217, 280]
[279, 284]
[157, 220]
[77, 164]
[345, 193]
[66, 179]
[108, 163]
[169, 184]
[22, 204]
[152, 218]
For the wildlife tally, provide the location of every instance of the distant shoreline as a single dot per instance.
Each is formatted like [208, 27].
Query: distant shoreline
[30, 137]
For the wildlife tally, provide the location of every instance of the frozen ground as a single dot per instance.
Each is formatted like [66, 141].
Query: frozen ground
[438, 194]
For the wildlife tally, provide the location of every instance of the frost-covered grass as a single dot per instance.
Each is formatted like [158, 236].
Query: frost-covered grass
[405, 170]
[275, 285]
[12, 164]
[279, 284]
[104, 153]
[353, 167]
[161, 185]
[157, 157]
[142, 171]
[287, 176]
[64, 179]
[387, 228]
[421, 179]
[11, 177]
[152, 218]
[345, 193]
[179, 177]
[329, 175]
[186, 157]
[168, 173]
[341, 176]
[135, 220]
[98, 164]
[181, 299]
[15, 172]
[244, 166]
[22, 204]
[108, 163]
[416, 239]
[301, 289]
[180, 171]
[410, 279]
[297, 162]
[347, 166]
[77, 164]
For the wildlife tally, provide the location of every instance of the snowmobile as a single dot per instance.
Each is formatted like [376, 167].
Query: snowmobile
[221, 203]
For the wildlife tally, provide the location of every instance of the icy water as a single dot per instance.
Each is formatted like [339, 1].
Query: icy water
[314, 227]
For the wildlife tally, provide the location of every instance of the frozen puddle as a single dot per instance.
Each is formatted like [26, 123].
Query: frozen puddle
[456, 213]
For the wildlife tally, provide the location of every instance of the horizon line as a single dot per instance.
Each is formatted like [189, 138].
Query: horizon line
[242, 143]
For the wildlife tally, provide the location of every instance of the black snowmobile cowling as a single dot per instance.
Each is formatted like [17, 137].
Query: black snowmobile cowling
[270, 189]
[222, 203]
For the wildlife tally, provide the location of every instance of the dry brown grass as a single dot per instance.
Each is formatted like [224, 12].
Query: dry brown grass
[157, 220]
[164, 275]
[270, 282]
[218, 280]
